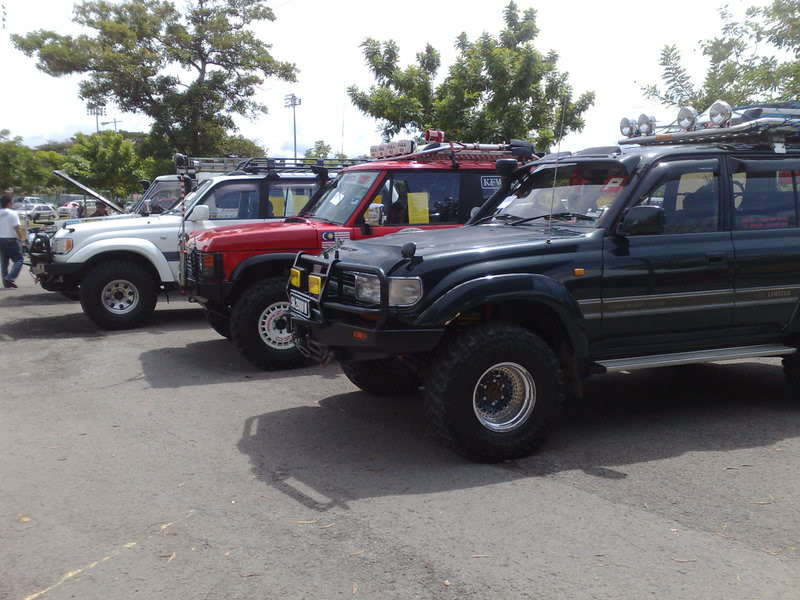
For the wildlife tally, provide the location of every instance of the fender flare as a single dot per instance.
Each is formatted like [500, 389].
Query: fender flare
[262, 259]
[527, 287]
[144, 248]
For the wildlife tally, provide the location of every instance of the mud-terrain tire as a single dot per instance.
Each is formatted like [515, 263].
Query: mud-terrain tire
[220, 324]
[493, 392]
[259, 326]
[118, 294]
[383, 377]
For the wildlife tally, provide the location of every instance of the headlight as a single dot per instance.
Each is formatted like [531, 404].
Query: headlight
[61, 245]
[368, 288]
[403, 291]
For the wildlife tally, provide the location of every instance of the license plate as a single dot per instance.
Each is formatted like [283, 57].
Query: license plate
[299, 305]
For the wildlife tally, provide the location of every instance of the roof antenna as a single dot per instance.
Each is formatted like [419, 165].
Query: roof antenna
[555, 172]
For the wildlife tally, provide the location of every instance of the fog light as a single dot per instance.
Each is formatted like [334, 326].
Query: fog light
[294, 277]
[315, 284]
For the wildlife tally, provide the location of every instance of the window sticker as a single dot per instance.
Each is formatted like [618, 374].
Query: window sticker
[418, 207]
[613, 185]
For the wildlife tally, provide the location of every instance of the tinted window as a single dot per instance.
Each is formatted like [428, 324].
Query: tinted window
[476, 188]
[690, 201]
[765, 200]
[422, 198]
[234, 200]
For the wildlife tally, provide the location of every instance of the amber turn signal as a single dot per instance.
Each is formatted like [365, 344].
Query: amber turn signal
[315, 284]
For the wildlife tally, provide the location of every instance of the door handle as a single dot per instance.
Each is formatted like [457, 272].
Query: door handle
[715, 257]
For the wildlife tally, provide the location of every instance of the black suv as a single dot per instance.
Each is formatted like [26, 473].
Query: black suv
[606, 260]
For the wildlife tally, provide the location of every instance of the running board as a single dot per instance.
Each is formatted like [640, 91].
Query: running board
[698, 356]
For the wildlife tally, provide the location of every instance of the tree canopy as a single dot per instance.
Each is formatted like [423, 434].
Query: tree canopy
[189, 70]
[744, 64]
[500, 87]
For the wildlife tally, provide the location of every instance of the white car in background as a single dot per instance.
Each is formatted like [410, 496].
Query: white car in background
[35, 211]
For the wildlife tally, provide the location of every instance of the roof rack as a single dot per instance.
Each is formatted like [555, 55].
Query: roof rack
[772, 123]
[438, 149]
[263, 164]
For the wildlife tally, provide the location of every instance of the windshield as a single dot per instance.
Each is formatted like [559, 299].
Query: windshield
[343, 195]
[190, 197]
[579, 193]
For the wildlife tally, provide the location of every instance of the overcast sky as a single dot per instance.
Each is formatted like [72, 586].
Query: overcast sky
[609, 47]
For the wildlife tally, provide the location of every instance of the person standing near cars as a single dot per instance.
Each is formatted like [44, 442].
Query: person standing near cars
[10, 236]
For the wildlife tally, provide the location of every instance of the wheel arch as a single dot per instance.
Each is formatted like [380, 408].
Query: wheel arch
[258, 268]
[128, 255]
[141, 251]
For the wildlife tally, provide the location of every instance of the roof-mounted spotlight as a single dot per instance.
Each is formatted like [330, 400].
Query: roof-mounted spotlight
[646, 124]
[628, 128]
[687, 118]
[720, 112]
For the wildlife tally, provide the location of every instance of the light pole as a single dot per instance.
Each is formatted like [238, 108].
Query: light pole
[293, 101]
[114, 121]
[97, 110]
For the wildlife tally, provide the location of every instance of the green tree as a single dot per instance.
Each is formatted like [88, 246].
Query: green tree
[499, 88]
[743, 67]
[105, 161]
[190, 71]
[238, 145]
[12, 156]
[319, 150]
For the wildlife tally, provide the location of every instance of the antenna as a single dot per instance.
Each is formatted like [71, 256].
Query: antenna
[555, 171]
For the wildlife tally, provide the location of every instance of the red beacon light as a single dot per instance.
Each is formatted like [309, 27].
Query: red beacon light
[433, 135]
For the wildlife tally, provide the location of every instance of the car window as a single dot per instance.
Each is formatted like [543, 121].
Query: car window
[287, 198]
[476, 188]
[422, 198]
[690, 201]
[765, 200]
[233, 200]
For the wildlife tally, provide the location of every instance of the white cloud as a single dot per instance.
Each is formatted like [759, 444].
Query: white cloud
[612, 49]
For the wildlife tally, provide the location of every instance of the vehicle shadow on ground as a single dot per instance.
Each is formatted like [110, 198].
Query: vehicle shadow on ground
[77, 325]
[211, 361]
[10, 299]
[355, 445]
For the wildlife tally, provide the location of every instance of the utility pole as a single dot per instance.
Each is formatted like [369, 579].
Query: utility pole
[293, 101]
[96, 110]
[114, 121]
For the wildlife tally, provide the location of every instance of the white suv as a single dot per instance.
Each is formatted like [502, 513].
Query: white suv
[118, 267]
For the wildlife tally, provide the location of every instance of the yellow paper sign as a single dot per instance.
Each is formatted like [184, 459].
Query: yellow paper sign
[277, 205]
[298, 202]
[418, 208]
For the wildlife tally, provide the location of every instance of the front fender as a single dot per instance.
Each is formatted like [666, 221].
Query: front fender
[139, 246]
[285, 258]
[527, 287]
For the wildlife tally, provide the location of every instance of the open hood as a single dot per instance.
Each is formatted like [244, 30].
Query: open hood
[89, 191]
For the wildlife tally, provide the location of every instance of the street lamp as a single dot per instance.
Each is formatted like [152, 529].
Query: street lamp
[96, 110]
[293, 101]
[114, 121]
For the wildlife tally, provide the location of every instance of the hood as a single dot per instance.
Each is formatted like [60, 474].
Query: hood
[272, 236]
[89, 191]
[122, 225]
[385, 252]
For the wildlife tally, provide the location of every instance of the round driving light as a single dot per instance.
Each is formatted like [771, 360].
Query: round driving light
[646, 124]
[720, 112]
[687, 117]
[627, 127]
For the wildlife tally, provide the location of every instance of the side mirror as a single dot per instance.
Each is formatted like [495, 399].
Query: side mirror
[199, 213]
[375, 215]
[642, 220]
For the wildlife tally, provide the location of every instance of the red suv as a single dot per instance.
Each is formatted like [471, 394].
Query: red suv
[239, 273]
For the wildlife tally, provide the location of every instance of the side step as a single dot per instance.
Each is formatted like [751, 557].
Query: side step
[697, 356]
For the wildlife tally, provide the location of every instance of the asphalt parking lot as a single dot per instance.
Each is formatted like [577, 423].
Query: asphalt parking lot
[157, 463]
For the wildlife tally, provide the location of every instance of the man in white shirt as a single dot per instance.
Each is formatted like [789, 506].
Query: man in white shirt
[11, 235]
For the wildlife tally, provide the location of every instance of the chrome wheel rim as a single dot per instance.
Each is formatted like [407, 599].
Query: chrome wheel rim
[120, 296]
[273, 326]
[504, 397]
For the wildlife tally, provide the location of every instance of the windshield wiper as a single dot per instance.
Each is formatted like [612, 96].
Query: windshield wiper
[500, 217]
[558, 215]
